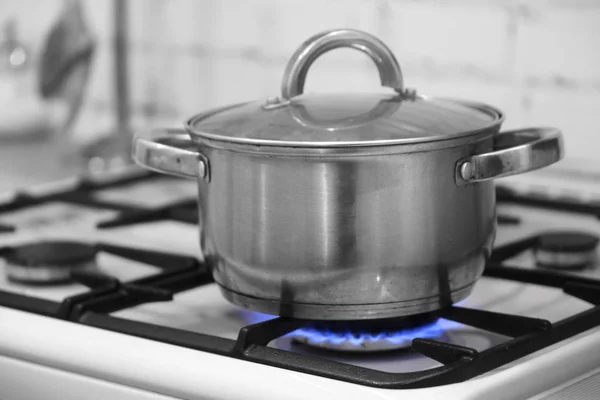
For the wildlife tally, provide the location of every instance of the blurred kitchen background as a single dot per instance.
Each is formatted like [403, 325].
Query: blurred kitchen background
[76, 78]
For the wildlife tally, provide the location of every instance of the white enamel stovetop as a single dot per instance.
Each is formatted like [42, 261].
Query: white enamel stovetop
[42, 357]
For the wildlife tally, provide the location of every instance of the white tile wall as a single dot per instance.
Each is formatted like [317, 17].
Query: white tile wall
[449, 36]
[538, 60]
[560, 43]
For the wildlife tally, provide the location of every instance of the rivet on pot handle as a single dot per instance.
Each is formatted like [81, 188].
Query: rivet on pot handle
[169, 151]
[295, 72]
[514, 152]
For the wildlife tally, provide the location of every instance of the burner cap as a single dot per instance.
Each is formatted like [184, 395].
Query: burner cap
[565, 249]
[369, 336]
[48, 262]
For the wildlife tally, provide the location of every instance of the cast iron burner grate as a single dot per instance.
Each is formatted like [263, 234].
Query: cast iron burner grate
[544, 200]
[527, 335]
[185, 211]
[459, 363]
[188, 271]
[81, 192]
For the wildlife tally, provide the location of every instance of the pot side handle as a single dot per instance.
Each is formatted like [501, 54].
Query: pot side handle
[515, 152]
[169, 151]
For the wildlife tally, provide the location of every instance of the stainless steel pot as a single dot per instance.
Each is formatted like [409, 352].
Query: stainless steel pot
[347, 206]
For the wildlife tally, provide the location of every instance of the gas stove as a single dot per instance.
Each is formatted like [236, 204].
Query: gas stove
[104, 292]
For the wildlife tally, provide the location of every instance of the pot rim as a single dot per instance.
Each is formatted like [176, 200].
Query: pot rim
[236, 142]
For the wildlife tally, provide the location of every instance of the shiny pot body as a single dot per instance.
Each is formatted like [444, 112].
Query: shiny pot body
[384, 233]
[349, 207]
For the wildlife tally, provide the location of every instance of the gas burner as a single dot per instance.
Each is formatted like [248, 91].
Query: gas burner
[50, 262]
[370, 336]
[566, 249]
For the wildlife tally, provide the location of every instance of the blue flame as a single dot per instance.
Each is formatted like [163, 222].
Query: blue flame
[430, 331]
[253, 317]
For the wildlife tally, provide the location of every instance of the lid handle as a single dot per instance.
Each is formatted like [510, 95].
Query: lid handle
[295, 72]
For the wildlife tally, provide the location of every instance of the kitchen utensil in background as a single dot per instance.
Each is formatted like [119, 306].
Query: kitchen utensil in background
[69, 45]
[37, 106]
[65, 64]
[24, 115]
[111, 150]
[347, 206]
[37, 119]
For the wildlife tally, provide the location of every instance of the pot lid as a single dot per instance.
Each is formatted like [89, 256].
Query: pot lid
[339, 120]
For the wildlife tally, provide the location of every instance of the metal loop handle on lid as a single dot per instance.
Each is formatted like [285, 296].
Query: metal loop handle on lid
[295, 72]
